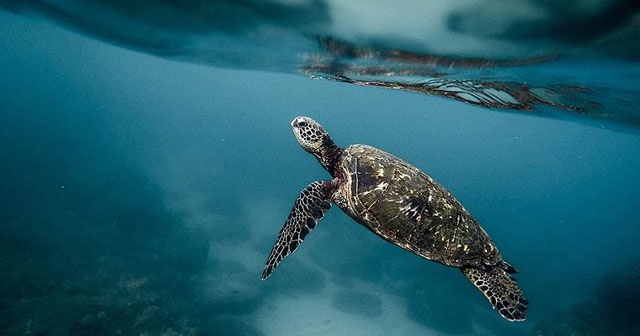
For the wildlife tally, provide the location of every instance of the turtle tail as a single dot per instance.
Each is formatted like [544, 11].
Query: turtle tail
[499, 288]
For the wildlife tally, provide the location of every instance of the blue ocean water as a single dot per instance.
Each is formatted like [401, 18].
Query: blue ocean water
[145, 178]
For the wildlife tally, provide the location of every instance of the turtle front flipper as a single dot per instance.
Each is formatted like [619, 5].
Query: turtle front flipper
[309, 208]
[500, 289]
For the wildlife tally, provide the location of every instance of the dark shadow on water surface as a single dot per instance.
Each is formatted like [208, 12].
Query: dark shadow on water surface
[513, 66]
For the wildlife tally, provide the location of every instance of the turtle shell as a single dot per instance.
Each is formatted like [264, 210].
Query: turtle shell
[406, 207]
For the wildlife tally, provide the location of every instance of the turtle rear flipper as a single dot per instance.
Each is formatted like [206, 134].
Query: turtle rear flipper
[309, 208]
[500, 289]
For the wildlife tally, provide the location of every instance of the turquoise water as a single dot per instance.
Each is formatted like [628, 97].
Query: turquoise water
[143, 188]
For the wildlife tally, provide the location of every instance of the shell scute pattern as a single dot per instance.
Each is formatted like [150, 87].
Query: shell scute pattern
[408, 208]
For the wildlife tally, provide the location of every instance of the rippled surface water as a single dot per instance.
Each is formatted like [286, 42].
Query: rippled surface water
[148, 163]
[577, 58]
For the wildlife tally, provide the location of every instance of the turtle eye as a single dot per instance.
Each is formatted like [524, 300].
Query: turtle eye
[302, 124]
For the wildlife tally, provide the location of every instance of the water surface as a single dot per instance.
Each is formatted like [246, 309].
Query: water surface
[146, 173]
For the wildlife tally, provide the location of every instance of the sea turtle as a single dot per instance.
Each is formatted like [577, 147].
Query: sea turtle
[402, 205]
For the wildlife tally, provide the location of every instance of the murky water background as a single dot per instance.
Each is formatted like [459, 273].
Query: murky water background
[142, 194]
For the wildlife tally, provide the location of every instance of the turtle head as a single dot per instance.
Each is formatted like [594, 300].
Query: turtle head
[315, 140]
[310, 134]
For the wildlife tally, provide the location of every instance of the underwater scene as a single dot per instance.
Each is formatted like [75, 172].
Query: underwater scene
[151, 153]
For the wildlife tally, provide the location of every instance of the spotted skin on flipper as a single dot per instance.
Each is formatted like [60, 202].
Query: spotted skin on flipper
[309, 208]
[500, 289]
